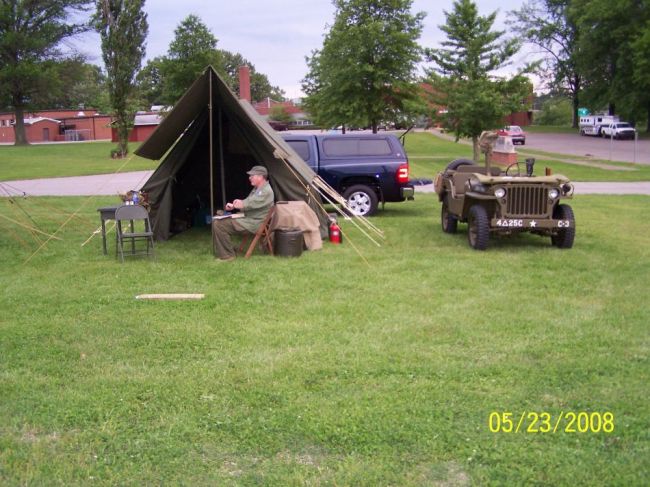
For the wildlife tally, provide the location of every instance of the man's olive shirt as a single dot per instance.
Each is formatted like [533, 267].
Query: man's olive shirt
[256, 205]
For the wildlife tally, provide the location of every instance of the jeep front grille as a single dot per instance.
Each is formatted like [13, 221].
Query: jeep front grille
[526, 201]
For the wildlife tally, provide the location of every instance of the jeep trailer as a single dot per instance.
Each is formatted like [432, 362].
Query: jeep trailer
[505, 202]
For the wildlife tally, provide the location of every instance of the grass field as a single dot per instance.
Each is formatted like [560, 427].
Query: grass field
[59, 160]
[323, 370]
[428, 155]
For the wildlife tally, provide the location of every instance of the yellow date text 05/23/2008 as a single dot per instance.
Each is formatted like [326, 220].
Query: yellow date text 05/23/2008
[545, 422]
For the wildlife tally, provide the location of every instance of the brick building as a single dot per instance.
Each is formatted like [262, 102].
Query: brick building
[57, 126]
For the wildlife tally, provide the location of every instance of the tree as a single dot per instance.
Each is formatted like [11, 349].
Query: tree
[261, 87]
[123, 27]
[474, 100]
[30, 36]
[366, 67]
[613, 54]
[193, 48]
[551, 26]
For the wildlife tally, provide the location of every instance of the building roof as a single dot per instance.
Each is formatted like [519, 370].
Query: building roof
[32, 121]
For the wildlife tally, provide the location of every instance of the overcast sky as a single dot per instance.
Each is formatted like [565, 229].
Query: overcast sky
[276, 35]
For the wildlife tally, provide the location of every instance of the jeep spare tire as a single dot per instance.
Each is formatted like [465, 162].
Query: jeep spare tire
[453, 165]
[362, 200]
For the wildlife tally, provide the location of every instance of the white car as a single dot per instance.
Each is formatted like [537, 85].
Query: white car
[618, 130]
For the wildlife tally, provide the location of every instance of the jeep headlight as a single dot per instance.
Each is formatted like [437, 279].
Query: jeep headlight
[553, 193]
[499, 192]
[475, 185]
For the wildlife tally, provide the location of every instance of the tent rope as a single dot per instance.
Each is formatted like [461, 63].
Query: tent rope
[74, 214]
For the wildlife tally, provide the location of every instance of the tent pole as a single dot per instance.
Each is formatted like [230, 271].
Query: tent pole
[211, 159]
[223, 166]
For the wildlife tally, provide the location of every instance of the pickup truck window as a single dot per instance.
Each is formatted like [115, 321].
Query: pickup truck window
[301, 147]
[354, 147]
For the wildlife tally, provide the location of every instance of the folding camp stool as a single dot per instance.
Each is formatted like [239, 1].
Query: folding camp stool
[263, 236]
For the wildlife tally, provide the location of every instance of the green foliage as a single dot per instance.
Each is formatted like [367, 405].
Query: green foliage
[555, 111]
[614, 55]
[365, 71]
[194, 47]
[286, 374]
[475, 101]
[30, 36]
[123, 28]
[551, 26]
[280, 114]
[190, 52]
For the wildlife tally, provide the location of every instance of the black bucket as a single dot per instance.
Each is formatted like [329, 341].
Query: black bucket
[288, 242]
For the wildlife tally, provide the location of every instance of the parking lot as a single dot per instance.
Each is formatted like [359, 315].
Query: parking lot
[596, 147]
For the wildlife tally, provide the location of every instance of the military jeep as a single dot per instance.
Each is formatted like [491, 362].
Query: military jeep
[506, 201]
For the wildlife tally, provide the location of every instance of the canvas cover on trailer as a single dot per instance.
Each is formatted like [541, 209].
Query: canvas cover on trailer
[211, 132]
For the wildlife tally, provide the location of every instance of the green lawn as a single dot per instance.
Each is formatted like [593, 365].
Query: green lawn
[323, 370]
[58, 160]
[429, 155]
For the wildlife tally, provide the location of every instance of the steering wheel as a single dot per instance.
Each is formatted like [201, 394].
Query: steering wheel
[510, 166]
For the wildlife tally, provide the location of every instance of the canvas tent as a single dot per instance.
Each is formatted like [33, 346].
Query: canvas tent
[214, 139]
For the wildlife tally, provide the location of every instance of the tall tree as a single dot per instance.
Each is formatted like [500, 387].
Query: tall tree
[193, 48]
[123, 28]
[30, 36]
[551, 26]
[611, 45]
[462, 77]
[366, 67]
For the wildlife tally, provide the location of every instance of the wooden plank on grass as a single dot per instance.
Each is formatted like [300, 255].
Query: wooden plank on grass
[170, 296]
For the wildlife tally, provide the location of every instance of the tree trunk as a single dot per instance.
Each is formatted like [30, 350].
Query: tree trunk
[576, 106]
[477, 149]
[343, 129]
[122, 134]
[19, 126]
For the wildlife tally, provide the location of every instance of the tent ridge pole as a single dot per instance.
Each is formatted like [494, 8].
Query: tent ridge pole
[211, 158]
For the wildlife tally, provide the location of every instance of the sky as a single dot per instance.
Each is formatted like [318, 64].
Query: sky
[276, 35]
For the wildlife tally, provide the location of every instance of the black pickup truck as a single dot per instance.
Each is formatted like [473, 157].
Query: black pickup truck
[364, 168]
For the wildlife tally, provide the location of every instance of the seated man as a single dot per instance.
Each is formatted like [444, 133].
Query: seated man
[255, 207]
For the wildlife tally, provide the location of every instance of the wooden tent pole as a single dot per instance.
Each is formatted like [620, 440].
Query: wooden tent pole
[221, 161]
[211, 160]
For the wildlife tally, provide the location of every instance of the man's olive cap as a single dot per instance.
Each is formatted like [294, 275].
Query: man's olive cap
[258, 171]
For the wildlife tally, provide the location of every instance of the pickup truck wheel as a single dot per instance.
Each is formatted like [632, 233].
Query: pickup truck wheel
[478, 232]
[449, 222]
[565, 236]
[361, 199]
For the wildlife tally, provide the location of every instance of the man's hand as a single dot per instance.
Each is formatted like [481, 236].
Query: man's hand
[229, 207]
[239, 204]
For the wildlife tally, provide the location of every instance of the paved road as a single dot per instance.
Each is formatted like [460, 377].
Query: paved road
[604, 149]
[111, 184]
[100, 184]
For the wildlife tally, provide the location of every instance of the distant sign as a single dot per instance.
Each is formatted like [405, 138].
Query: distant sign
[583, 112]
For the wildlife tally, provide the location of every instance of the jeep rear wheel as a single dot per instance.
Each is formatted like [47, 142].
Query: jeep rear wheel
[478, 232]
[362, 200]
[564, 237]
[449, 222]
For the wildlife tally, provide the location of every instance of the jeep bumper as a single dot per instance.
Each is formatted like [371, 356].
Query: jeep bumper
[529, 223]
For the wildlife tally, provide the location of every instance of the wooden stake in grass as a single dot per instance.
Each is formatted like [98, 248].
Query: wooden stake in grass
[170, 296]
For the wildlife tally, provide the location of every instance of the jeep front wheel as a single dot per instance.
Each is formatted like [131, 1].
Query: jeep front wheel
[478, 232]
[362, 200]
[448, 221]
[564, 237]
